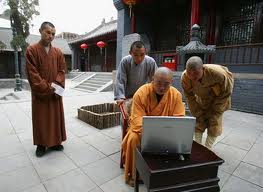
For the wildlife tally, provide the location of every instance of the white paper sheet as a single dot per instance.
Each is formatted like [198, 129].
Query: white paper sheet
[58, 89]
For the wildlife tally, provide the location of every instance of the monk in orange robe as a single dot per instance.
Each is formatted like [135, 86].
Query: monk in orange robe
[157, 98]
[45, 65]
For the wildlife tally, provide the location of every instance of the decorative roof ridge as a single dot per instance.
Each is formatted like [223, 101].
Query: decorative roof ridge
[195, 45]
[81, 37]
[103, 24]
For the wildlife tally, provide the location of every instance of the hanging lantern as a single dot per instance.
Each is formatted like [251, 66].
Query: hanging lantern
[101, 45]
[130, 3]
[84, 46]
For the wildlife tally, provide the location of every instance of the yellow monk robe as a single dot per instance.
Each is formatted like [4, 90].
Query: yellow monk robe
[209, 98]
[145, 104]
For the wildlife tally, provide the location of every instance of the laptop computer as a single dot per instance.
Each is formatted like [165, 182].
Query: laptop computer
[167, 135]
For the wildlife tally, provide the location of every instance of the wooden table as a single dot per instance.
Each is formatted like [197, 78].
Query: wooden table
[197, 173]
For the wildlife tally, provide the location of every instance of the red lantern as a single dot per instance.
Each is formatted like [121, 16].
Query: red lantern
[101, 45]
[130, 3]
[84, 46]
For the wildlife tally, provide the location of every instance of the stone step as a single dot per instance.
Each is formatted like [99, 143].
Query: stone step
[87, 83]
[9, 97]
[81, 77]
[86, 87]
[85, 90]
[104, 76]
[97, 81]
[101, 78]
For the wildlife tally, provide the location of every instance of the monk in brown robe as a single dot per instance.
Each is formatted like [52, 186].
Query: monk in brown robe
[208, 89]
[45, 65]
[158, 98]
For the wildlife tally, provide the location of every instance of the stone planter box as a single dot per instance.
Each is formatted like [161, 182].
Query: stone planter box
[100, 116]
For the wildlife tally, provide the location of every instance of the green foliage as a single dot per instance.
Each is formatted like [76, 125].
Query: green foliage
[19, 42]
[2, 45]
[21, 15]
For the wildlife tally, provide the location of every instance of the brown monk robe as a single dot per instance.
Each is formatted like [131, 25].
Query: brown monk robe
[154, 99]
[208, 89]
[46, 65]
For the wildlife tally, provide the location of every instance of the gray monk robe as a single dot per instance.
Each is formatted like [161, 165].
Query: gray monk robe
[131, 76]
[47, 108]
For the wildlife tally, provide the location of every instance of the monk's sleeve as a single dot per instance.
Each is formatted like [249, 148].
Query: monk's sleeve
[153, 68]
[194, 107]
[179, 109]
[60, 79]
[37, 83]
[121, 81]
[222, 90]
[137, 112]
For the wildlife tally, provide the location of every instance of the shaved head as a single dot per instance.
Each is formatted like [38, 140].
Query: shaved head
[162, 79]
[164, 71]
[194, 68]
[194, 63]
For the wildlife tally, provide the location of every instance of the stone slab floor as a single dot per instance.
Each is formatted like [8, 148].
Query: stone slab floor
[90, 160]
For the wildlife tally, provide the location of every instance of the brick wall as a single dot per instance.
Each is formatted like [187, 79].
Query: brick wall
[247, 95]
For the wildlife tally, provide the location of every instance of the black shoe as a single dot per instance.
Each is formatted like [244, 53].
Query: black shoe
[40, 151]
[57, 148]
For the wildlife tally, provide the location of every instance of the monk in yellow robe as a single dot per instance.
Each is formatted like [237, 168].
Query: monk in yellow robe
[208, 89]
[157, 98]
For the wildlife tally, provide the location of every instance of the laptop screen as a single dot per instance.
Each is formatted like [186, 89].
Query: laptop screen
[167, 134]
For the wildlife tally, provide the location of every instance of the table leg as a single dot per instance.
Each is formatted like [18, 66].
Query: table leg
[136, 183]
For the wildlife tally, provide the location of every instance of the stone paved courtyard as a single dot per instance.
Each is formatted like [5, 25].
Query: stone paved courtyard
[90, 160]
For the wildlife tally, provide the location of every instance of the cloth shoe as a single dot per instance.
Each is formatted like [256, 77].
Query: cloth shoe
[57, 148]
[40, 151]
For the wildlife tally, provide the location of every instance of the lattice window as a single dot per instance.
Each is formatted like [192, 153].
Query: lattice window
[182, 33]
[238, 26]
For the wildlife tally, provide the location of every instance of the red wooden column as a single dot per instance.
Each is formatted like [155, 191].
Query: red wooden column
[195, 13]
[211, 24]
[133, 23]
[211, 27]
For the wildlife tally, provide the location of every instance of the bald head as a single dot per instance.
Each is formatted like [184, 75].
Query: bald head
[194, 63]
[162, 79]
[194, 68]
[163, 71]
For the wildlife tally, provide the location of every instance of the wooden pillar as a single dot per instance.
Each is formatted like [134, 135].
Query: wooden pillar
[105, 60]
[195, 13]
[89, 68]
[133, 23]
[210, 39]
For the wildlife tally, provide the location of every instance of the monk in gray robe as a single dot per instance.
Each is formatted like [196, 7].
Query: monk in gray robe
[208, 89]
[134, 71]
[45, 65]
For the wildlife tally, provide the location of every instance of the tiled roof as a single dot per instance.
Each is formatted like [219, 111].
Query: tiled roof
[195, 45]
[103, 29]
[6, 37]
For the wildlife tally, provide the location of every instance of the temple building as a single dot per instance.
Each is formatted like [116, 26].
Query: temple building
[234, 27]
[96, 50]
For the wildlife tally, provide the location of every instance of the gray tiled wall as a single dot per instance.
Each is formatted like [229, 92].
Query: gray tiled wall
[247, 95]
